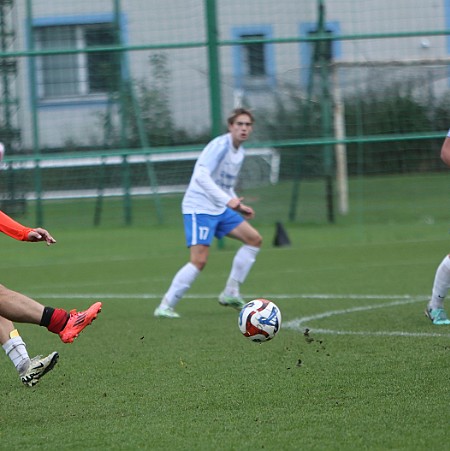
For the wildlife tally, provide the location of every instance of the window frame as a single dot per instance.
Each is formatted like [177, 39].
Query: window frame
[447, 25]
[305, 30]
[83, 97]
[241, 80]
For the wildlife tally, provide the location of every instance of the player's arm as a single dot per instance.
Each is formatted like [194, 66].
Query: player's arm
[203, 178]
[445, 150]
[22, 233]
[219, 197]
[206, 164]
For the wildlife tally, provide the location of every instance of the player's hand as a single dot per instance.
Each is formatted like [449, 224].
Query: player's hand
[246, 211]
[39, 234]
[235, 203]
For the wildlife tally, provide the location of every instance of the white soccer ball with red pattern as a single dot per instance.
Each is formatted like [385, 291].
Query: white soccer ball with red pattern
[259, 320]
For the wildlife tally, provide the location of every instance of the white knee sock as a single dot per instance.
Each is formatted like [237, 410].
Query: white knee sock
[182, 281]
[242, 263]
[441, 284]
[16, 350]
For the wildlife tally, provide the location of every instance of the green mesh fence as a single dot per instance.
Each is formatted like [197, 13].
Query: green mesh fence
[106, 104]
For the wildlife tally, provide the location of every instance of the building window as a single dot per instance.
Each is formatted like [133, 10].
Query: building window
[77, 74]
[253, 56]
[325, 50]
[322, 50]
[253, 61]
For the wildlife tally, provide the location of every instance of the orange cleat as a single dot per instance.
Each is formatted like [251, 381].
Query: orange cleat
[78, 321]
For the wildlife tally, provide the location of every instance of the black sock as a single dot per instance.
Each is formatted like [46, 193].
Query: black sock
[46, 316]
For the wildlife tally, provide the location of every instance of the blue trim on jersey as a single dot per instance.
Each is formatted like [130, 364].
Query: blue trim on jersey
[201, 228]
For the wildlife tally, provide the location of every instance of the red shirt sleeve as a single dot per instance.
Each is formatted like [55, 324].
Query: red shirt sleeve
[12, 228]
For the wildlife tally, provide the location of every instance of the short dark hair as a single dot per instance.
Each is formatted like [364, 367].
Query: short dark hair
[237, 112]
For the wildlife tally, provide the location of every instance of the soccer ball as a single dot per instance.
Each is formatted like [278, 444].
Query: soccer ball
[259, 320]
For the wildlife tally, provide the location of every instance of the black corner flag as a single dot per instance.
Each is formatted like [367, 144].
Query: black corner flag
[281, 237]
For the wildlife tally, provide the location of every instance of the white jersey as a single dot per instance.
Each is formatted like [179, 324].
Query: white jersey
[214, 177]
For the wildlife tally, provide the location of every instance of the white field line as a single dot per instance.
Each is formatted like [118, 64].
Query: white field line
[272, 296]
[298, 324]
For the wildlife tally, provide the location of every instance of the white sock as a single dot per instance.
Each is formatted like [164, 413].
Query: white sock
[182, 281]
[242, 263]
[16, 350]
[441, 284]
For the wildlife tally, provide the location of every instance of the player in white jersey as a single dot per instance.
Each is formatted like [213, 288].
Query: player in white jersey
[211, 208]
[435, 308]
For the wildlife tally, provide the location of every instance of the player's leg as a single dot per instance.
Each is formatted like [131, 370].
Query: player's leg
[13, 345]
[247, 234]
[199, 231]
[182, 281]
[30, 370]
[242, 262]
[435, 308]
[19, 308]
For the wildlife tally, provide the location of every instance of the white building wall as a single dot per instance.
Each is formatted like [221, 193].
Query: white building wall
[174, 21]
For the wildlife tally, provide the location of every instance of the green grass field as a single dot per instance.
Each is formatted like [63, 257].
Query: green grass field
[389, 199]
[371, 375]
